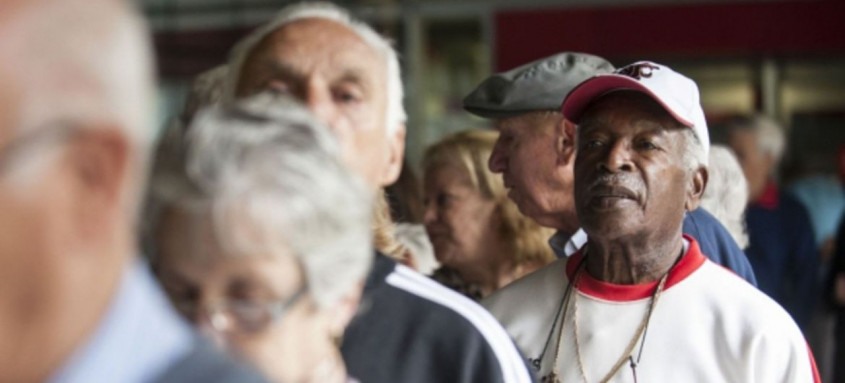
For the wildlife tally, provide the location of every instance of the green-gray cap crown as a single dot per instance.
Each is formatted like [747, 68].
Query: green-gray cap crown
[538, 85]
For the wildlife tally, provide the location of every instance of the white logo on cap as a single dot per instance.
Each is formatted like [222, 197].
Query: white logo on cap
[639, 70]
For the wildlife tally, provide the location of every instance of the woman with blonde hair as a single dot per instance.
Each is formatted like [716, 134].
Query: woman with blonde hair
[479, 236]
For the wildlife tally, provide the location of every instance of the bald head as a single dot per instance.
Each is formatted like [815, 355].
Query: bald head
[340, 68]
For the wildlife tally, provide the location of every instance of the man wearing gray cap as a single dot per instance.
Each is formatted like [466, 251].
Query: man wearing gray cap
[640, 302]
[536, 151]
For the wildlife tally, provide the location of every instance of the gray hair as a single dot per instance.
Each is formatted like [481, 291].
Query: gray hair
[727, 193]
[770, 135]
[396, 115]
[270, 176]
[695, 155]
[206, 90]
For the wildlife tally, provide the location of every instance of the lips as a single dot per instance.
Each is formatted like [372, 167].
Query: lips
[607, 191]
[604, 196]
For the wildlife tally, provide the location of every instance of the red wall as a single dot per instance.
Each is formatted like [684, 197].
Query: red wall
[686, 31]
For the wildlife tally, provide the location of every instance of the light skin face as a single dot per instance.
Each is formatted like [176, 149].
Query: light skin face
[65, 234]
[631, 186]
[193, 268]
[756, 164]
[535, 153]
[342, 81]
[461, 223]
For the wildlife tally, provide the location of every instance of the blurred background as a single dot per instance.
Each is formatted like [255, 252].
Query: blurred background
[783, 58]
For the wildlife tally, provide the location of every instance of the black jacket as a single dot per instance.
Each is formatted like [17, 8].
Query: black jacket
[411, 329]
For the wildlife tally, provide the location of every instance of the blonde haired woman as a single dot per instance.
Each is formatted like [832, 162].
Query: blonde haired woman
[479, 236]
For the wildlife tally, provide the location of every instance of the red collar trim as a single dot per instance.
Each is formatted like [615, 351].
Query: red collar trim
[770, 199]
[689, 263]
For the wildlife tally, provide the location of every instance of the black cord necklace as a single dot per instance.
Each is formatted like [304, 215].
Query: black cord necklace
[559, 316]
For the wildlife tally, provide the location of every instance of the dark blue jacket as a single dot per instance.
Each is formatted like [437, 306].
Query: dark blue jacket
[717, 244]
[783, 252]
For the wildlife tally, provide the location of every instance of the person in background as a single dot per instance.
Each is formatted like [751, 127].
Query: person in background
[261, 237]
[536, 150]
[76, 124]
[409, 328]
[836, 297]
[406, 208]
[727, 193]
[479, 236]
[782, 247]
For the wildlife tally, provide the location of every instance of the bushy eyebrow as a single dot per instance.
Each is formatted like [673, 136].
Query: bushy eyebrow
[283, 70]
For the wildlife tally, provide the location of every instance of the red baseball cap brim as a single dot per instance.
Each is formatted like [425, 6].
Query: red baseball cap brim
[579, 99]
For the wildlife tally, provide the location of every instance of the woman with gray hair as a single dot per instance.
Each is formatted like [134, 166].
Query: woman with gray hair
[261, 236]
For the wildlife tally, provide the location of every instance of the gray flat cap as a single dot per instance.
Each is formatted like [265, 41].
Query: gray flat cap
[538, 85]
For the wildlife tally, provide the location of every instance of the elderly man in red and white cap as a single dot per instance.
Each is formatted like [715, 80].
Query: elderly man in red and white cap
[640, 302]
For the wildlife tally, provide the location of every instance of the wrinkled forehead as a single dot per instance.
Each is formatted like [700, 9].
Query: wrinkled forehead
[316, 46]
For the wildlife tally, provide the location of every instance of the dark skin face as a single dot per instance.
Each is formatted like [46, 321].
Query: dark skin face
[632, 187]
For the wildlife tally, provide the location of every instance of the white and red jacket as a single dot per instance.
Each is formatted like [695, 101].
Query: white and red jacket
[709, 325]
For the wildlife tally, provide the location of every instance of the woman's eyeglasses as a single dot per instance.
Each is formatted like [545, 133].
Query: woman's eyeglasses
[239, 315]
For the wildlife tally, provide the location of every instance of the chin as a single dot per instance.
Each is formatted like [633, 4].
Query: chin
[609, 227]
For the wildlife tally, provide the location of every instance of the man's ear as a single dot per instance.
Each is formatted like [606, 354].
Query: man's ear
[565, 141]
[695, 189]
[395, 156]
[99, 161]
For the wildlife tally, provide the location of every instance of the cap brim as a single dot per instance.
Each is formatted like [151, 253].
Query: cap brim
[579, 99]
[496, 114]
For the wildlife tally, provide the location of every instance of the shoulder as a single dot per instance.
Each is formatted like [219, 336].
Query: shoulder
[750, 330]
[791, 205]
[527, 307]
[717, 243]
[744, 311]
[446, 330]
[532, 290]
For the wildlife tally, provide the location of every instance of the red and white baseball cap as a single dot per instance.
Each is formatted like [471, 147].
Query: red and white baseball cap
[672, 90]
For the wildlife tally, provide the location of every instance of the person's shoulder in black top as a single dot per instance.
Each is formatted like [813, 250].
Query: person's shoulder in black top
[411, 329]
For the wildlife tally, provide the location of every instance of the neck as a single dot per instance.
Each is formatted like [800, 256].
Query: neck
[565, 222]
[329, 370]
[631, 262]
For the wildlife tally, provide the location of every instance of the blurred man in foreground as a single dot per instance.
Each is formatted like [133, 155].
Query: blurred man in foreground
[75, 126]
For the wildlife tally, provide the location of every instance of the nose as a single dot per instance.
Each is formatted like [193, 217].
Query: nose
[206, 329]
[429, 212]
[317, 97]
[498, 158]
[617, 158]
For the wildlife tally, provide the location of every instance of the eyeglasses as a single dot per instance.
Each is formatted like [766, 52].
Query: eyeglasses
[58, 131]
[239, 315]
